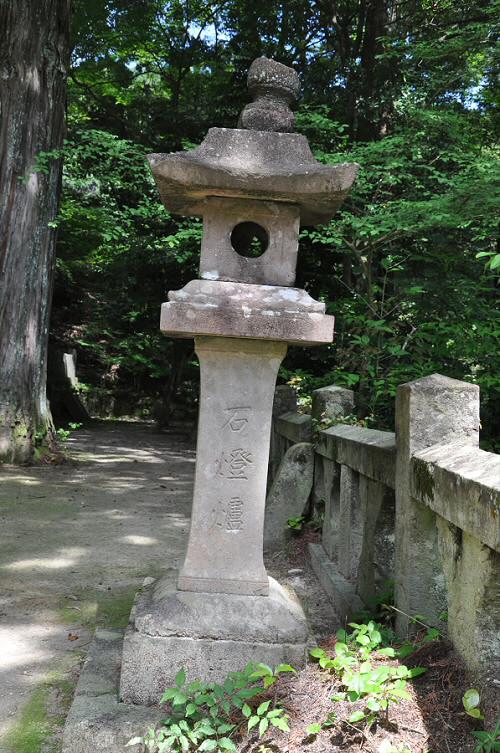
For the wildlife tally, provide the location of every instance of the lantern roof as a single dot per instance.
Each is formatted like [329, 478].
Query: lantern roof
[261, 159]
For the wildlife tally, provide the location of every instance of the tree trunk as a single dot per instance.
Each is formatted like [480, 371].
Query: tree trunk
[34, 59]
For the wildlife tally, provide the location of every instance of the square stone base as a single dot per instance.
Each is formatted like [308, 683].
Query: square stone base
[208, 635]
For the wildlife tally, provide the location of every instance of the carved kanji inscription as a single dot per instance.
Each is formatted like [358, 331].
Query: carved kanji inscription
[228, 515]
[234, 464]
[236, 419]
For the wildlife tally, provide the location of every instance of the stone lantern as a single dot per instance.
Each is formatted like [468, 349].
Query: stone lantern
[254, 186]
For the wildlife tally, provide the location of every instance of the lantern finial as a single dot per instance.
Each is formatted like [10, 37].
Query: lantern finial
[274, 87]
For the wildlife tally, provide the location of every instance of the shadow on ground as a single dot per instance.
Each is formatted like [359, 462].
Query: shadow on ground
[77, 540]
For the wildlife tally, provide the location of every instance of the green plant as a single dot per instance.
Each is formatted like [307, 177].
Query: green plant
[268, 675]
[63, 435]
[316, 727]
[377, 686]
[296, 524]
[263, 716]
[369, 636]
[489, 741]
[205, 716]
[471, 700]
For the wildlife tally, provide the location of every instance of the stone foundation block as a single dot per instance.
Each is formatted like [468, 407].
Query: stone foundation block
[207, 634]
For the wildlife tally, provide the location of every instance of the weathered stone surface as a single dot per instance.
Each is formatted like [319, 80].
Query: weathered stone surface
[219, 258]
[371, 497]
[97, 722]
[384, 544]
[246, 299]
[296, 427]
[350, 523]
[230, 309]
[69, 367]
[462, 485]
[472, 573]
[289, 493]
[164, 611]
[332, 402]
[239, 163]
[102, 665]
[103, 725]
[342, 593]
[212, 660]
[368, 451]
[225, 542]
[331, 491]
[209, 634]
[431, 410]
[261, 163]
[274, 86]
[285, 400]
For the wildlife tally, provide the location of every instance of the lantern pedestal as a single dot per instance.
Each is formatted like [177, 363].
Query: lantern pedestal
[208, 635]
[224, 611]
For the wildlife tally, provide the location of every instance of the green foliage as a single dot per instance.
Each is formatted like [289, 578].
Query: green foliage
[376, 686]
[205, 716]
[471, 700]
[297, 523]
[413, 306]
[118, 254]
[489, 741]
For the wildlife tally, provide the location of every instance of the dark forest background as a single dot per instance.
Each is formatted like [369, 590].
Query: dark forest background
[409, 266]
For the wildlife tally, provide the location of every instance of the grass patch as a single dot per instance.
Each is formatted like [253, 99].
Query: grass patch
[43, 716]
[33, 727]
[98, 609]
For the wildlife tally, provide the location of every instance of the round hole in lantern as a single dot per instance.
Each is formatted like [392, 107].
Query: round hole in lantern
[249, 239]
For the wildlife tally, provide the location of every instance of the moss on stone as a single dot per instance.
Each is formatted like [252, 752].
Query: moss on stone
[424, 480]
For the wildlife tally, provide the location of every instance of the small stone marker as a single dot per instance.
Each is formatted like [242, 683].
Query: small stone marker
[254, 186]
[289, 493]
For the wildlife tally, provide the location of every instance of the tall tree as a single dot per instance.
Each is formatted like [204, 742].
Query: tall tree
[34, 60]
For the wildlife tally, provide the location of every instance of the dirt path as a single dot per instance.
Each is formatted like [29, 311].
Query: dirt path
[76, 541]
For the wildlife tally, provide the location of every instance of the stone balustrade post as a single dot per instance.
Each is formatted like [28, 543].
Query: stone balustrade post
[329, 404]
[431, 410]
[349, 540]
[371, 497]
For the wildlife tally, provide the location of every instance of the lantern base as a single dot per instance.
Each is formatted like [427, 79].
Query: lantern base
[219, 308]
[207, 634]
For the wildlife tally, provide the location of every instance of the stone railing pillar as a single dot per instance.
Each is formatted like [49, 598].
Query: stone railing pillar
[349, 540]
[428, 411]
[371, 497]
[285, 401]
[329, 404]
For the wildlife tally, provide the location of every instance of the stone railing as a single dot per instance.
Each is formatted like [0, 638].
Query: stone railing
[419, 508]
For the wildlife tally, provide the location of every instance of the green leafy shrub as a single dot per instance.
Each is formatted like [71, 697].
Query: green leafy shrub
[377, 686]
[205, 716]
